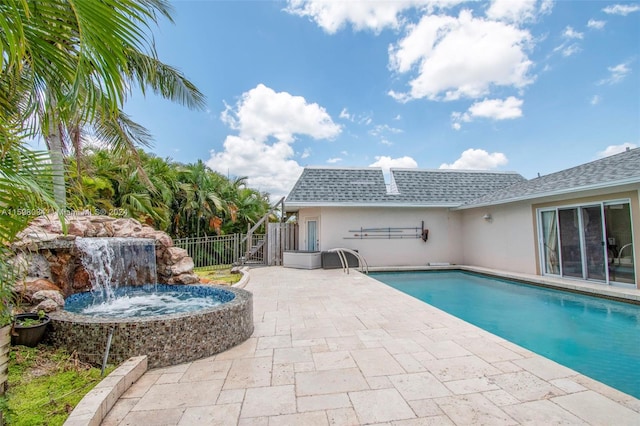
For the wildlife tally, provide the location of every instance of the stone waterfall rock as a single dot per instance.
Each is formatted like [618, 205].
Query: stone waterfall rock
[51, 257]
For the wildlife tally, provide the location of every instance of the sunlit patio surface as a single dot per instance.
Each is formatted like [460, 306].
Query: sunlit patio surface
[344, 349]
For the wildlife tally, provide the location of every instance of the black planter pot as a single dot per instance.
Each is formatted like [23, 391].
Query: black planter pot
[29, 335]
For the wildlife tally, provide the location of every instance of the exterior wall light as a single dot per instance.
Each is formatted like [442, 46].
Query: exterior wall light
[487, 217]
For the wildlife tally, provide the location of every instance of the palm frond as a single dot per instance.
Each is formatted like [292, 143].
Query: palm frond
[164, 80]
[22, 192]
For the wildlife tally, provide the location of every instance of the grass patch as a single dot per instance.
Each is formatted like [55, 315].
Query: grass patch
[218, 276]
[45, 384]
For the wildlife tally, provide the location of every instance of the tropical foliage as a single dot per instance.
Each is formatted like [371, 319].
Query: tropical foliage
[67, 67]
[185, 200]
[72, 64]
[22, 196]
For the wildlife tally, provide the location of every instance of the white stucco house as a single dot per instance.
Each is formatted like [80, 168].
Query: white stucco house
[576, 223]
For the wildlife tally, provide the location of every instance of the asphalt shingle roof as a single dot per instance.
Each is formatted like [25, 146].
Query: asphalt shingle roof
[414, 187]
[613, 170]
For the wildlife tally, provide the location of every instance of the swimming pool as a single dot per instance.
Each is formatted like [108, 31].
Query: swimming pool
[597, 337]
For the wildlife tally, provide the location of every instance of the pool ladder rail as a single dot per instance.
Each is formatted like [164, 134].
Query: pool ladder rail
[362, 263]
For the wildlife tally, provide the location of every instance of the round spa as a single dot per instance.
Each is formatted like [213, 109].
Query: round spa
[166, 337]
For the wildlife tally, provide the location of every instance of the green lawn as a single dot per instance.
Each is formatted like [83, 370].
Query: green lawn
[45, 385]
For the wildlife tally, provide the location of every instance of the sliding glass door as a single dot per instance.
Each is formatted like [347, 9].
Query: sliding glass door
[619, 242]
[592, 242]
[594, 247]
[550, 253]
[570, 243]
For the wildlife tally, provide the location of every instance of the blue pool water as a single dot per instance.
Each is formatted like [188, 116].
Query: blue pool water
[147, 300]
[596, 337]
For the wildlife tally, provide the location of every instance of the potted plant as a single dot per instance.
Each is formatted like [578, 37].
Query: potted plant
[29, 328]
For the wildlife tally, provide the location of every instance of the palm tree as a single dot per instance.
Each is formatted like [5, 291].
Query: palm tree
[246, 205]
[111, 184]
[199, 205]
[79, 60]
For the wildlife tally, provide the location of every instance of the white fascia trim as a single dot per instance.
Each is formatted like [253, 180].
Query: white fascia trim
[552, 193]
[296, 206]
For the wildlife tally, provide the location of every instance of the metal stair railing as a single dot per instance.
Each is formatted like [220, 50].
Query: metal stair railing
[362, 262]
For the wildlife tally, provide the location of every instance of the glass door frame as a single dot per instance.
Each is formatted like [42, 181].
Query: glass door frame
[542, 259]
[315, 244]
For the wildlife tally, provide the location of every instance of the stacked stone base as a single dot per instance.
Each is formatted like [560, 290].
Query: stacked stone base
[166, 340]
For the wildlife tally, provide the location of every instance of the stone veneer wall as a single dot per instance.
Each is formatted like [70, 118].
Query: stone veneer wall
[166, 340]
[50, 254]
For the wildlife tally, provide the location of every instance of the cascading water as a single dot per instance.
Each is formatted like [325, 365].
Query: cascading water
[111, 262]
[123, 281]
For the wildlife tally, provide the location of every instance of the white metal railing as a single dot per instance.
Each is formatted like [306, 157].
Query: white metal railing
[220, 251]
[362, 263]
[622, 249]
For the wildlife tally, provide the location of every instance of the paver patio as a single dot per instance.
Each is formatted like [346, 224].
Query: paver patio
[344, 349]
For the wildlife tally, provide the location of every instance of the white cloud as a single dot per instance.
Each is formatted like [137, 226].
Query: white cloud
[596, 25]
[269, 167]
[384, 128]
[345, 114]
[616, 149]
[477, 159]
[494, 109]
[334, 160]
[267, 122]
[569, 32]
[461, 57]
[387, 163]
[621, 9]
[306, 153]
[263, 113]
[546, 6]
[512, 11]
[595, 100]
[617, 73]
[376, 16]
[568, 50]
[498, 109]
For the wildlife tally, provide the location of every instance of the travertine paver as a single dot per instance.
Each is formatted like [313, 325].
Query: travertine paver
[383, 405]
[179, 395]
[331, 348]
[597, 409]
[269, 401]
[541, 412]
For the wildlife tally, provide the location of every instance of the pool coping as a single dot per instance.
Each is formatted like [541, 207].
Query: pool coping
[95, 405]
[622, 294]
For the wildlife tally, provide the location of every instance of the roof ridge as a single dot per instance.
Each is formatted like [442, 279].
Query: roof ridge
[342, 168]
[587, 164]
[497, 172]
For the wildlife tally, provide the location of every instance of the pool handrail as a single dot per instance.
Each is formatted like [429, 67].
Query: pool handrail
[622, 249]
[362, 262]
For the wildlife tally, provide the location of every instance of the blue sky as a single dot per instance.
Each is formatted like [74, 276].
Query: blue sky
[526, 86]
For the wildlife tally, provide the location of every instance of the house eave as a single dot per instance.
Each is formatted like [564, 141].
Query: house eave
[294, 206]
[592, 187]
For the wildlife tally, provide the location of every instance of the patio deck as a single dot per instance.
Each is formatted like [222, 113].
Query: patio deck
[344, 349]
